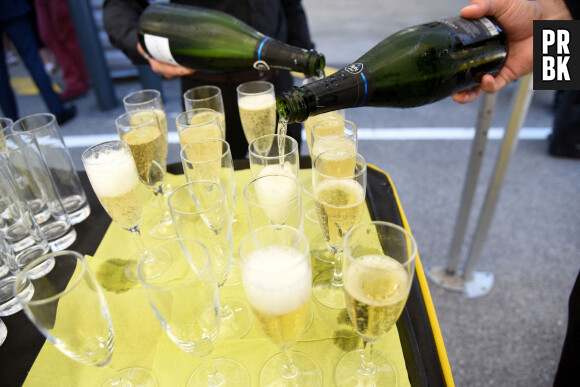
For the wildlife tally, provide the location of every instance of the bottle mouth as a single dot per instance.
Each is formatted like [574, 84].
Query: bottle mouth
[317, 64]
[292, 106]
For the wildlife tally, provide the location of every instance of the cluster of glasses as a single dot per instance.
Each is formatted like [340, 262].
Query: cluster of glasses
[41, 199]
[373, 263]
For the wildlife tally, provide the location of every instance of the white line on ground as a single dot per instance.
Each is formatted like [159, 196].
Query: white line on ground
[375, 134]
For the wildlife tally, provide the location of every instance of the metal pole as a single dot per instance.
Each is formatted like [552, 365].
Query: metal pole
[475, 285]
[92, 49]
[447, 277]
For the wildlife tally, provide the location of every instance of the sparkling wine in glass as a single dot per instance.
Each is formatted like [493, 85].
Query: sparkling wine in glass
[257, 107]
[276, 274]
[339, 183]
[378, 268]
[209, 97]
[142, 131]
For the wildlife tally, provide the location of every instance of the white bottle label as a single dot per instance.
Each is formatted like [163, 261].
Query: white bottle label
[158, 47]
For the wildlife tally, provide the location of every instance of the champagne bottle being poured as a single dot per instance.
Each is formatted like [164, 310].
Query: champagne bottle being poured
[213, 41]
[413, 67]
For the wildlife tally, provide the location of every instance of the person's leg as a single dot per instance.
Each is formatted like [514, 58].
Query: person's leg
[7, 98]
[59, 34]
[21, 33]
[565, 138]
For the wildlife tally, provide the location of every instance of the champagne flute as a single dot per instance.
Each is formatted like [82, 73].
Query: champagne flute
[112, 172]
[339, 181]
[257, 106]
[378, 269]
[68, 307]
[273, 200]
[266, 159]
[209, 97]
[276, 273]
[333, 134]
[198, 124]
[141, 130]
[211, 159]
[200, 210]
[185, 301]
[313, 120]
[327, 134]
[150, 99]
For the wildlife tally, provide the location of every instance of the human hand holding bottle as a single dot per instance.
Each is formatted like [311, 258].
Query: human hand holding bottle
[516, 17]
[168, 70]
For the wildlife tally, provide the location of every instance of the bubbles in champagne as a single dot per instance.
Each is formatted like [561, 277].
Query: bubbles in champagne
[277, 280]
[111, 172]
[258, 115]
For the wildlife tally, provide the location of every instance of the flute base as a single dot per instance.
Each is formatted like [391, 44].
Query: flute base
[308, 374]
[232, 374]
[134, 376]
[160, 229]
[236, 319]
[349, 371]
[327, 292]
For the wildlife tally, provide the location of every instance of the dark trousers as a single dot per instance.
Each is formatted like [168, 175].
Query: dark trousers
[59, 35]
[234, 131]
[21, 33]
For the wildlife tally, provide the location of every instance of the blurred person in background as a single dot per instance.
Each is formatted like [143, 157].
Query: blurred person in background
[15, 23]
[284, 20]
[59, 35]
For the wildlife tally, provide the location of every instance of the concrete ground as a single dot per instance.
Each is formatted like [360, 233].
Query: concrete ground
[513, 335]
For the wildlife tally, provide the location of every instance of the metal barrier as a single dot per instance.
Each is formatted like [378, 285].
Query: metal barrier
[475, 283]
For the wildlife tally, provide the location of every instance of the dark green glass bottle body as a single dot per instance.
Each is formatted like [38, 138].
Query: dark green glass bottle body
[413, 67]
[213, 41]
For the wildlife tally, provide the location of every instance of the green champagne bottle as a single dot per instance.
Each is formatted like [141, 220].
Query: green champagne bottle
[213, 41]
[413, 67]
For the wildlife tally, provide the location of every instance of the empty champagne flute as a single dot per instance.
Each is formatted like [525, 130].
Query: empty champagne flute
[185, 301]
[273, 200]
[211, 159]
[378, 269]
[339, 182]
[257, 107]
[200, 210]
[276, 274]
[112, 172]
[68, 307]
[209, 97]
[198, 124]
[142, 131]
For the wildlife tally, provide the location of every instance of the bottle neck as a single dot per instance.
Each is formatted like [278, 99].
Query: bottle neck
[273, 54]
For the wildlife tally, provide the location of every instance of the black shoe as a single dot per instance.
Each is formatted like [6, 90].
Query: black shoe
[66, 115]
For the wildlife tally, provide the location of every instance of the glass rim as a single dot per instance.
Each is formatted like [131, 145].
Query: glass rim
[50, 119]
[156, 94]
[257, 204]
[343, 135]
[23, 276]
[84, 156]
[252, 235]
[183, 156]
[192, 111]
[182, 187]
[154, 119]
[270, 88]
[217, 93]
[207, 265]
[288, 138]
[414, 252]
[350, 177]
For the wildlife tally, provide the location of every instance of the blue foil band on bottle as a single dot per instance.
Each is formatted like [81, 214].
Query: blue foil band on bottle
[366, 90]
[260, 48]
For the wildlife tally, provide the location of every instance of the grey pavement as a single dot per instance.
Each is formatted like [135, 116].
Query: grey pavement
[513, 335]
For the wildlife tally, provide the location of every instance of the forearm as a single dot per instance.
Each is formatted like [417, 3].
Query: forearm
[121, 22]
